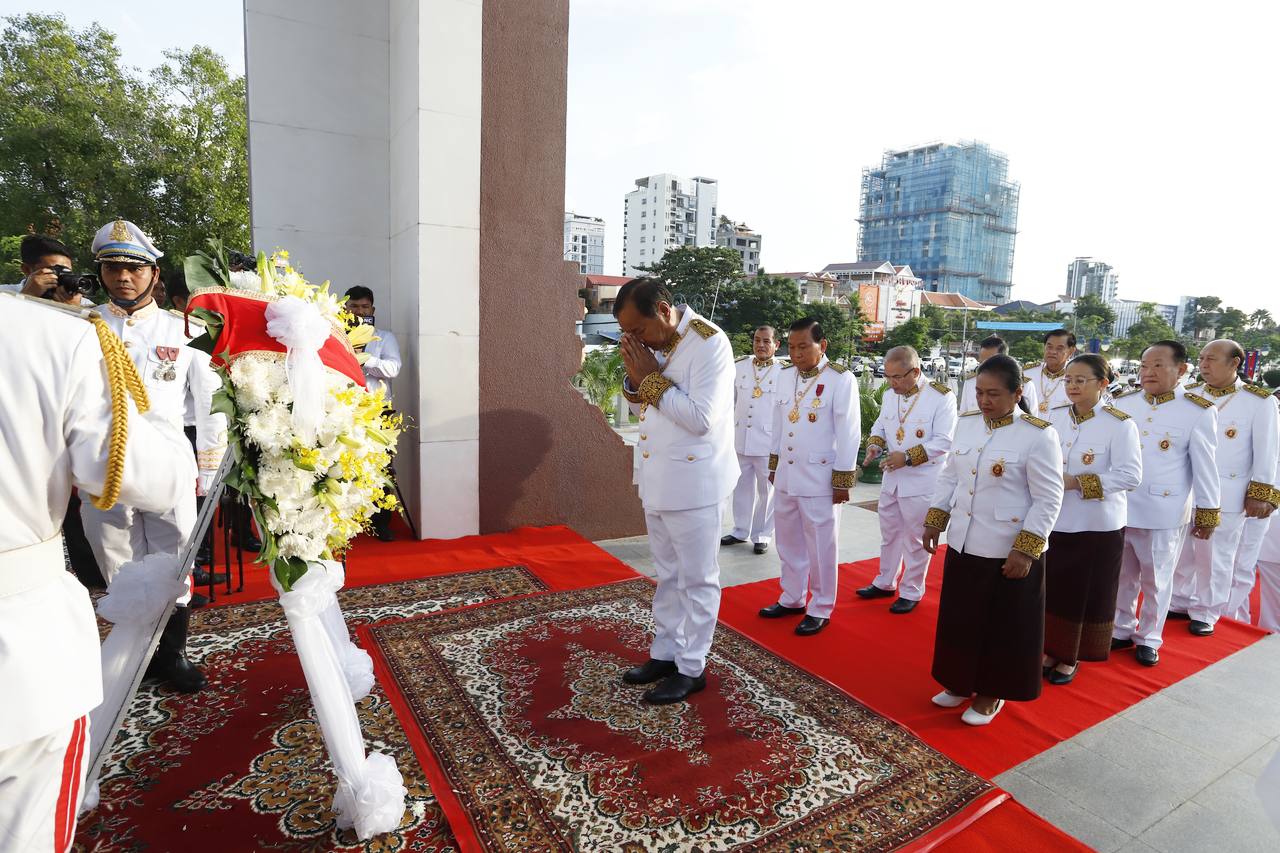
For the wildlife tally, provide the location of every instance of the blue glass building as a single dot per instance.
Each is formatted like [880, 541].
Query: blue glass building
[950, 212]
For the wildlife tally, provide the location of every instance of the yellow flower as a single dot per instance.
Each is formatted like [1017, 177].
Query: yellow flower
[361, 335]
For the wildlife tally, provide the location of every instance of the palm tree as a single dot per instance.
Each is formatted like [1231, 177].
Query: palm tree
[1261, 319]
[601, 378]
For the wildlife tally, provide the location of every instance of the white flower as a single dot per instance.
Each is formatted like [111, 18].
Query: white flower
[270, 428]
[294, 545]
[245, 280]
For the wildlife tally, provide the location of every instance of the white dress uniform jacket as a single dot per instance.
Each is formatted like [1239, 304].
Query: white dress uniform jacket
[969, 395]
[1001, 488]
[1177, 432]
[55, 423]
[685, 456]
[1050, 389]
[1101, 450]
[816, 430]
[754, 388]
[383, 363]
[927, 418]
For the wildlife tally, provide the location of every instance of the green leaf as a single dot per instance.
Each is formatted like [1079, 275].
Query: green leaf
[199, 273]
[289, 571]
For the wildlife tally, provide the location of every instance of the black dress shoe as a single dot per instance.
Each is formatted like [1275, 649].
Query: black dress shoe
[649, 672]
[1057, 676]
[903, 605]
[730, 539]
[1121, 644]
[1200, 629]
[873, 591]
[811, 625]
[202, 578]
[1147, 656]
[761, 547]
[1178, 614]
[197, 601]
[169, 664]
[777, 611]
[674, 688]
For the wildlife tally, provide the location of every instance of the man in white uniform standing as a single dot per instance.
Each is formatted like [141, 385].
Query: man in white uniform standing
[1246, 459]
[916, 424]
[55, 428]
[815, 448]
[1177, 432]
[680, 382]
[174, 375]
[381, 364]
[754, 389]
[1049, 376]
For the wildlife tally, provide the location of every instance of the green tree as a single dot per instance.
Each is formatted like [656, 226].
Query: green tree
[1093, 316]
[913, 333]
[839, 324]
[1261, 319]
[1203, 315]
[698, 275]
[600, 377]
[1231, 322]
[1150, 327]
[1027, 349]
[84, 139]
[760, 301]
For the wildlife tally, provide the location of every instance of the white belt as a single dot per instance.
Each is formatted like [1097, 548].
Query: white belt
[31, 566]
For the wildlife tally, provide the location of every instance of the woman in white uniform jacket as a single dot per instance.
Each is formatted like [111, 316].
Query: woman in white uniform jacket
[1000, 493]
[1101, 463]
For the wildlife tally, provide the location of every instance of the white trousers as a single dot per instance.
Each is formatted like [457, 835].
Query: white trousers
[901, 544]
[122, 534]
[753, 500]
[1210, 565]
[1245, 568]
[41, 783]
[807, 530]
[1269, 596]
[1146, 565]
[686, 547]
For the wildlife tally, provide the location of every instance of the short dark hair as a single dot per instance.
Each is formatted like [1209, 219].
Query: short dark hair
[359, 292]
[1234, 350]
[814, 327]
[645, 293]
[175, 283]
[1009, 371]
[37, 246]
[1179, 350]
[1057, 333]
[996, 343]
[773, 333]
[1097, 364]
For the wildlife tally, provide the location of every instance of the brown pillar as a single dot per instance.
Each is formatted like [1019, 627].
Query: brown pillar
[546, 455]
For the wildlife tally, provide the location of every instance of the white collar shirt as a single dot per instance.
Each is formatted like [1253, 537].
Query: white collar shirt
[752, 408]
[921, 425]
[383, 363]
[816, 431]
[1102, 451]
[1248, 433]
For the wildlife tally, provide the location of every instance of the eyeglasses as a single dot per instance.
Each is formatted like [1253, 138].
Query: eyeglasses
[896, 376]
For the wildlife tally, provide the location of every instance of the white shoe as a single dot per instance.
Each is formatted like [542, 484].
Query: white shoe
[946, 700]
[977, 718]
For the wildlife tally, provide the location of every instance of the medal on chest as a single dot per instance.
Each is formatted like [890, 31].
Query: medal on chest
[1231, 432]
[757, 392]
[166, 371]
[1087, 457]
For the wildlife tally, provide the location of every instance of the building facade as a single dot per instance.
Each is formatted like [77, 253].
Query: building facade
[664, 212]
[1127, 314]
[744, 241]
[950, 212]
[1088, 276]
[584, 242]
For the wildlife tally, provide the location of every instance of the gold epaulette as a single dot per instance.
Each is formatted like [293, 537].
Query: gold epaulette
[1198, 400]
[968, 414]
[1035, 422]
[1194, 384]
[1062, 406]
[1116, 413]
[940, 387]
[742, 358]
[1031, 365]
[1259, 390]
[838, 368]
[704, 329]
[1126, 393]
[788, 366]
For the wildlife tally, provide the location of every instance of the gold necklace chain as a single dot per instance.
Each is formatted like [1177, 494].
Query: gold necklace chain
[794, 414]
[902, 419]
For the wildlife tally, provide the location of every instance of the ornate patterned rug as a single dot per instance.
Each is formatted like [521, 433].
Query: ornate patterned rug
[241, 765]
[533, 743]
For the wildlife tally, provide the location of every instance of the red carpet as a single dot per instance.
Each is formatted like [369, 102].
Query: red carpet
[533, 743]
[883, 660]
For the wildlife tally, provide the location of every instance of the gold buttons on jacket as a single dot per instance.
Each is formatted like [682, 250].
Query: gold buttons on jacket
[643, 437]
[645, 454]
[690, 458]
[129, 322]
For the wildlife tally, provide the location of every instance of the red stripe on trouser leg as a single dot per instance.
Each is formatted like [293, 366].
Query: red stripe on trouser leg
[64, 820]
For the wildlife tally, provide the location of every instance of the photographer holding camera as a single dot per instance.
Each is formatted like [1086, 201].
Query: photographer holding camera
[46, 270]
[381, 366]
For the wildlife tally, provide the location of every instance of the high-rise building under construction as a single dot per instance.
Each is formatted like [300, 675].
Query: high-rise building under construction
[950, 212]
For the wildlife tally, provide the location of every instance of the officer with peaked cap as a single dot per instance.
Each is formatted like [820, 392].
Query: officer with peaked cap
[174, 374]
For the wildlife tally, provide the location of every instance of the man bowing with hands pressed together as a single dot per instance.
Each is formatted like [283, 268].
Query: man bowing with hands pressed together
[680, 382]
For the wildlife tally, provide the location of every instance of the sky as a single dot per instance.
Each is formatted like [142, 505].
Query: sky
[1139, 131]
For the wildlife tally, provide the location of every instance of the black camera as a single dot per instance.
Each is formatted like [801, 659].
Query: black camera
[246, 262]
[74, 282]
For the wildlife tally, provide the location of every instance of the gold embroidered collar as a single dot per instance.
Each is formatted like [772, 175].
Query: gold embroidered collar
[1157, 399]
[1079, 419]
[999, 422]
[915, 389]
[1219, 392]
[761, 362]
[676, 337]
[809, 374]
[1047, 375]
